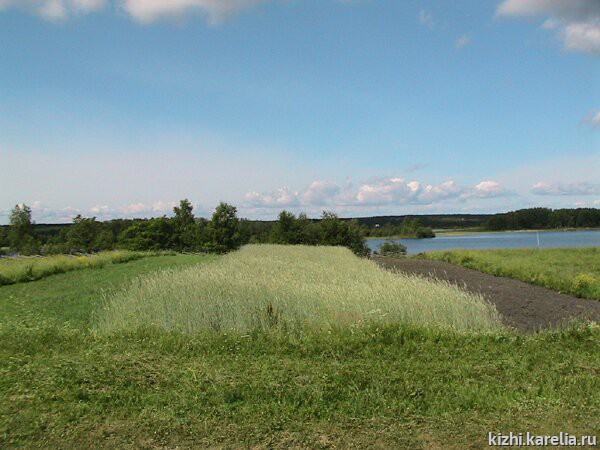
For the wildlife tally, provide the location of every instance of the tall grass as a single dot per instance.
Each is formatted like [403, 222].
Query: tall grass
[266, 287]
[572, 270]
[18, 270]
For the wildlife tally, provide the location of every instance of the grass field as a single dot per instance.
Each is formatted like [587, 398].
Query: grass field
[571, 270]
[23, 269]
[273, 287]
[391, 385]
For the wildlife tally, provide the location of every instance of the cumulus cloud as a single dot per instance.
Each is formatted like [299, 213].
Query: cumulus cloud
[576, 21]
[490, 189]
[444, 191]
[144, 11]
[147, 11]
[282, 198]
[55, 9]
[573, 188]
[388, 191]
[44, 214]
[101, 210]
[379, 192]
[320, 193]
[142, 209]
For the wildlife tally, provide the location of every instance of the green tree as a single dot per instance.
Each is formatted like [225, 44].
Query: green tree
[3, 237]
[306, 230]
[153, 234]
[285, 229]
[334, 231]
[105, 239]
[187, 233]
[82, 235]
[223, 229]
[20, 233]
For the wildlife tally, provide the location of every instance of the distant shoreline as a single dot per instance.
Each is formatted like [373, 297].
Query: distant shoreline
[446, 232]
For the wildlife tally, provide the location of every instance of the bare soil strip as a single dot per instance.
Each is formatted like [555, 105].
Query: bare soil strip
[523, 306]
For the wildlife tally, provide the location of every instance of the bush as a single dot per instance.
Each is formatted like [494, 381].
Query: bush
[149, 235]
[583, 282]
[393, 249]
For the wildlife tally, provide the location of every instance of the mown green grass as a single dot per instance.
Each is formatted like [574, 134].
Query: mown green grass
[23, 269]
[291, 288]
[382, 386]
[570, 270]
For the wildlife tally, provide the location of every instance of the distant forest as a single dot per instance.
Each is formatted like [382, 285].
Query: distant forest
[523, 219]
[225, 231]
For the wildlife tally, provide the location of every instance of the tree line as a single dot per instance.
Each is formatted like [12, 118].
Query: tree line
[545, 218]
[183, 232]
[409, 228]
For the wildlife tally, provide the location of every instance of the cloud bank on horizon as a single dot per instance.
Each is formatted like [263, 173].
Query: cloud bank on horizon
[349, 200]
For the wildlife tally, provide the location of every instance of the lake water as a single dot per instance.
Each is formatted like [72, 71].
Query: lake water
[481, 241]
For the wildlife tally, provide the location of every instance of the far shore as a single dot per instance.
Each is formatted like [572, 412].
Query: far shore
[472, 231]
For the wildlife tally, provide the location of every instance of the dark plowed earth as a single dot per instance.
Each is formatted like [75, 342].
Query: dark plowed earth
[523, 306]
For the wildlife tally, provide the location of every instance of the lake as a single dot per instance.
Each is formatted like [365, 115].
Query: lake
[512, 239]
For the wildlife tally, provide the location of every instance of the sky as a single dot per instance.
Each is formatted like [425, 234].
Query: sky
[120, 108]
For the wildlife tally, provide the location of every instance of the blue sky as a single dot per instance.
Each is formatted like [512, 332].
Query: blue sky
[121, 108]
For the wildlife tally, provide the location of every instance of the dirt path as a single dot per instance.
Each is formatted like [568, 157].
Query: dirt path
[523, 306]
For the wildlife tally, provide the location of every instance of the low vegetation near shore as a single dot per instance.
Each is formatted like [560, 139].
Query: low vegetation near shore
[290, 288]
[22, 269]
[570, 270]
[386, 385]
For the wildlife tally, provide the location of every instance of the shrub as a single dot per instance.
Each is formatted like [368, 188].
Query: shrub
[584, 281]
[393, 249]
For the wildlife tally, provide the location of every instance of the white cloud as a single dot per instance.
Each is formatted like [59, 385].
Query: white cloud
[44, 214]
[376, 193]
[463, 41]
[144, 11]
[426, 19]
[577, 21]
[388, 191]
[282, 198]
[320, 193]
[55, 9]
[142, 209]
[593, 120]
[101, 210]
[572, 188]
[583, 37]
[147, 11]
[490, 189]
[444, 191]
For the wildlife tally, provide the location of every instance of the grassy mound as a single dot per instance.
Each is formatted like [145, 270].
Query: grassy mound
[572, 270]
[268, 287]
[18, 270]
